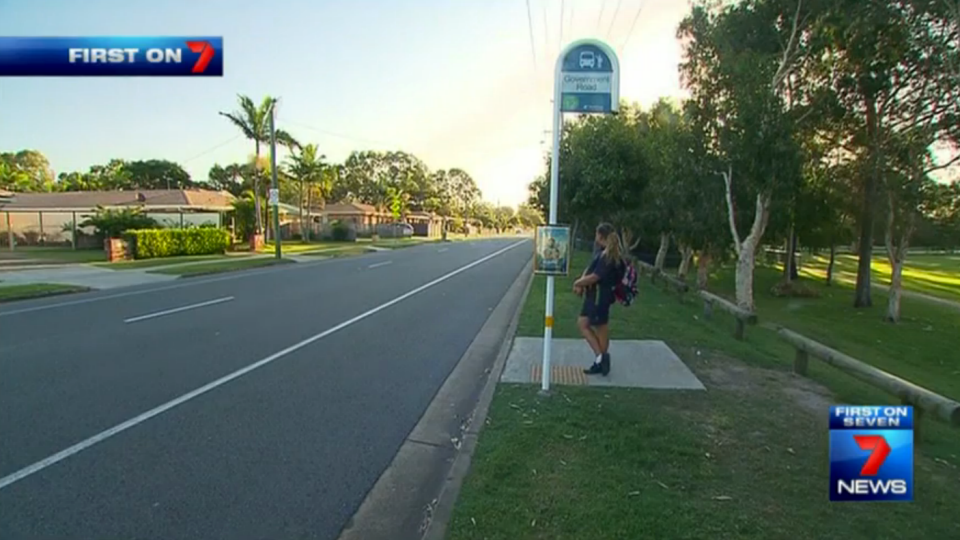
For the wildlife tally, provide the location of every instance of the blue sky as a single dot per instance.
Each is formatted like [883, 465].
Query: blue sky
[452, 81]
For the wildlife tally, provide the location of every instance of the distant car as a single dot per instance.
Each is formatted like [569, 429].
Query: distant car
[395, 230]
[588, 59]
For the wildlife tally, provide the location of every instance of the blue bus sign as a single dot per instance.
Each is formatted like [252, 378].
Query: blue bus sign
[589, 78]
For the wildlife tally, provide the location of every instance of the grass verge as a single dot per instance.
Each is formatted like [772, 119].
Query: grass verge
[219, 267]
[297, 247]
[163, 261]
[10, 293]
[747, 459]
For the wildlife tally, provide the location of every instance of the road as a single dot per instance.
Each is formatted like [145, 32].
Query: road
[255, 405]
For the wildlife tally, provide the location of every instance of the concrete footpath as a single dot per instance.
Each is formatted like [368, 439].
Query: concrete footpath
[83, 275]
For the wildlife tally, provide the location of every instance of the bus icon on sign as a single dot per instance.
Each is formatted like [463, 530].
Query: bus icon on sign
[587, 59]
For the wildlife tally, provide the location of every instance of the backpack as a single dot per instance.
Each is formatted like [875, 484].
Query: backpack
[626, 290]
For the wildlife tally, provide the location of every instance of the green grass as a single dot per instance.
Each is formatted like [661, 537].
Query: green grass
[746, 460]
[54, 254]
[295, 247]
[10, 293]
[936, 275]
[219, 267]
[162, 261]
[399, 243]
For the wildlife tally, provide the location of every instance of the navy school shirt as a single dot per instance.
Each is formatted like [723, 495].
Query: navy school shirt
[609, 274]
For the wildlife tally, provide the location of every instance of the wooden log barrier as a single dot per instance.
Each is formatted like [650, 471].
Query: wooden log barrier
[742, 316]
[922, 399]
[679, 286]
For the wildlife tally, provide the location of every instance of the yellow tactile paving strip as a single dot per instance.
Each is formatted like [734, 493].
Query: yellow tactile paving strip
[570, 375]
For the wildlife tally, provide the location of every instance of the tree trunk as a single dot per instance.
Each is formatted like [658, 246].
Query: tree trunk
[896, 255]
[306, 232]
[686, 255]
[833, 257]
[703, 268]
[256, 186]
[300, 200]
[746, 261]
[865, 248]
[662, 252]
[747, 249]
[790, 272]
[895, 292]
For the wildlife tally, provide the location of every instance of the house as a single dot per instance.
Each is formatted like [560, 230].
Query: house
[364, 218]
[53, 218]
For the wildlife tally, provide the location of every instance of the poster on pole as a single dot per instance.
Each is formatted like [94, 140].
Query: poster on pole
[552, 251]
[273, 197]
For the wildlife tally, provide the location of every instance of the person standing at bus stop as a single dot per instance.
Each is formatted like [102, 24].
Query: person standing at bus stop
[597, 285]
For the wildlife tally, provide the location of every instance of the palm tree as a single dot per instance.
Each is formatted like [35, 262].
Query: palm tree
[254, 122]
[308, 167]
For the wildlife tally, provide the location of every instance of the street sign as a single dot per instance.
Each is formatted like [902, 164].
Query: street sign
[586, 81]
[274, 196]
[589, 78]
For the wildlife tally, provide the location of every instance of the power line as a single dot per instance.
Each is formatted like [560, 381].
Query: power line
[614, 19]
[562, 11]
[533, 46]
[340, 135]
[633, 25]
[603, 6]
[213, 148]
[546, 35]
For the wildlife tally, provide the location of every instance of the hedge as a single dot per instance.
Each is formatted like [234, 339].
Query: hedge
[153, 243]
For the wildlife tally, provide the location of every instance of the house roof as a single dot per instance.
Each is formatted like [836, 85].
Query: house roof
[352, 208]
[149, 199]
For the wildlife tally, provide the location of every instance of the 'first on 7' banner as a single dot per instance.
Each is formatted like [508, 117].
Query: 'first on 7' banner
[167, 56]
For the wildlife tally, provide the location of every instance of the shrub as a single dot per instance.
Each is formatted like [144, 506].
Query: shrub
[153, 243]
[111, 223]
[340, 231]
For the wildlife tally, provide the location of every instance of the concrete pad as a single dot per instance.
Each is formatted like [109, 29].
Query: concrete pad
[84, 276]
[635, 364]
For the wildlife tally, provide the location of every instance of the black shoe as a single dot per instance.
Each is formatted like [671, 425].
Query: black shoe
[605, 364]
[593, 369]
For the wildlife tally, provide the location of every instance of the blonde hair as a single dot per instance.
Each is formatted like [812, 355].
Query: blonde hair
[613, 251]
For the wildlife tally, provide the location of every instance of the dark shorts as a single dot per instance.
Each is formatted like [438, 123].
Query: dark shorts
[596, 310]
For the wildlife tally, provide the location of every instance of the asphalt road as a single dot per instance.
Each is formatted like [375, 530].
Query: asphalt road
[343, 357]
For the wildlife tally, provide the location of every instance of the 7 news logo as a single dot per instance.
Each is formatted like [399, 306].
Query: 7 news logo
[871, 453]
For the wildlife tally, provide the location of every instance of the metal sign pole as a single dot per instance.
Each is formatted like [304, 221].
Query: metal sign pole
[554, 182]
[587, 81]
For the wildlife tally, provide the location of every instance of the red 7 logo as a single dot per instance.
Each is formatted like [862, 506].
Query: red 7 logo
[206, 54]
[879, 454]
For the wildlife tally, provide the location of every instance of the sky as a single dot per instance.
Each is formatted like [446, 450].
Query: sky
[455, 82]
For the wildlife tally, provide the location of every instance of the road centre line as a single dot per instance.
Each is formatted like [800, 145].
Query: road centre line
[178, 310]
[156, 411]
[178, 285]
[379, 264]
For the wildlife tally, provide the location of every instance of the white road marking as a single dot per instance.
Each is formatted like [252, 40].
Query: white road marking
[441, 250]
[143, 417]
[186, 283]
[379, 264]
[178, 310]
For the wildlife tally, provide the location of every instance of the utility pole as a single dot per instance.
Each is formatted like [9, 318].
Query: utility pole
[275, 188]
